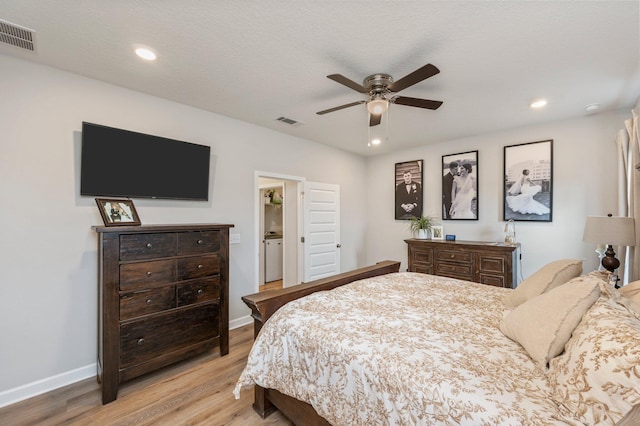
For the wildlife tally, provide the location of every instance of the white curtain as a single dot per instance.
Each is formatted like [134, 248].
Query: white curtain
[628, 142]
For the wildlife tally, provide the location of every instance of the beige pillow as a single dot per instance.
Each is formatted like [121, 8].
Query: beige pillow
[632, 291]
[544, 324]
[546, 278]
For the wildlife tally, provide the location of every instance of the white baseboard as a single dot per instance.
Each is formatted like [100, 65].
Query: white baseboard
[239, 322]
[11, 396]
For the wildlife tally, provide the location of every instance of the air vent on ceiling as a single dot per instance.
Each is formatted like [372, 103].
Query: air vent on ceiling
[17, 36]
[289, 121]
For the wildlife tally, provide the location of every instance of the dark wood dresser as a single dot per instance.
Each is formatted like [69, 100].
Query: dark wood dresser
[483, 262]
[163, 297]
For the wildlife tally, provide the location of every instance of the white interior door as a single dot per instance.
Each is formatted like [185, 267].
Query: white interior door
[321, 244]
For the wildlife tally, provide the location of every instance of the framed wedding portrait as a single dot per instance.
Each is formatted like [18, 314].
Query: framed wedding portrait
[408, 187]
[460, 199]
[118, 212]
[528, 182]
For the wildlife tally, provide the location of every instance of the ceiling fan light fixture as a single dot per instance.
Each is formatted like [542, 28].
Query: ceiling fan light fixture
[378, 106]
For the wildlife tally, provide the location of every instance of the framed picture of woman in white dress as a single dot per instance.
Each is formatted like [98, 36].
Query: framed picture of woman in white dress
[460, 198]
[528, 178]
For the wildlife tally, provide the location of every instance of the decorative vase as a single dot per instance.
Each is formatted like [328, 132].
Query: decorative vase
[423, 234]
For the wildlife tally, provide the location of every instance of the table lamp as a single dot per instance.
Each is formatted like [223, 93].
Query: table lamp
[610, 230]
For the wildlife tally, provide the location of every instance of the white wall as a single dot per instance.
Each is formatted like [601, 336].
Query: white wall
[48, 274]
[584, 183]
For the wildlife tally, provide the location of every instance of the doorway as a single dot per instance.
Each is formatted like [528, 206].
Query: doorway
[310, 212]
[278, 228]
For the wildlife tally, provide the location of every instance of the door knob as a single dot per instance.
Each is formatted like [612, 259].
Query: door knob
[338, 245]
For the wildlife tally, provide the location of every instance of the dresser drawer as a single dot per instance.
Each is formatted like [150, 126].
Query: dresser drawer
[144, 340]
[422, 256]
[198, 291]
[492, 264]
[421, 268]
[198, 266]
[137, 303]
[455, 270]
[454, 256]
[494, 280]
[198, 242]
[147, 246]
[145, 274]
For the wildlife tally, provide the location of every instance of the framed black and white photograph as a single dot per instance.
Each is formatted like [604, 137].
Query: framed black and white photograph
[408, 183]
[116, 212]
[460, 198]
[528, 181]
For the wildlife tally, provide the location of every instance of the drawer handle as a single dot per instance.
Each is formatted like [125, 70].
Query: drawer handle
[148, 301]
[199, 291]
[148, 273]
[200, 266]
[140, 342]
[149, 245]
[200, 241]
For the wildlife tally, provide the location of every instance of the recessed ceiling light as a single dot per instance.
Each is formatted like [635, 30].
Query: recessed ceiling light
[375, 141]
[592, 107]
[146, 53]
[540, 103]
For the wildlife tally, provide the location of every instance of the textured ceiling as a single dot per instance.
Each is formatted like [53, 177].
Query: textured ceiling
[259, 60]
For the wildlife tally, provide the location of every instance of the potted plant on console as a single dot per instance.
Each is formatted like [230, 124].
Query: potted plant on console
[421, 226]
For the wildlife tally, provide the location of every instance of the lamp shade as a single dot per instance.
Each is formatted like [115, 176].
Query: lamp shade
[616, 231]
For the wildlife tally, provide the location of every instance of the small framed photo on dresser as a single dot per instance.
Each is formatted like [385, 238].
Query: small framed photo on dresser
[118, 212]
[437, 232]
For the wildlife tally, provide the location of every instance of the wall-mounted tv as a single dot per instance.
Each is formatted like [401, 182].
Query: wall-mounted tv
[122, 163]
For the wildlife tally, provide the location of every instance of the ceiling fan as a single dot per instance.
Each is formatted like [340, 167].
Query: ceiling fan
[380, 86]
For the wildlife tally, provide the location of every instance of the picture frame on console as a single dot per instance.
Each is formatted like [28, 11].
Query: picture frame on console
[118, 212]
[408, 184]
[437, 232]
[528, 181]
[460, 196]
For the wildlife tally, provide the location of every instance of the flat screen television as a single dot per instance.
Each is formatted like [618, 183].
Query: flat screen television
[122, 163]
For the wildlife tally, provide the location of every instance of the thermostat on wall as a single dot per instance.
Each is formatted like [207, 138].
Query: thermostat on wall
[450, 237]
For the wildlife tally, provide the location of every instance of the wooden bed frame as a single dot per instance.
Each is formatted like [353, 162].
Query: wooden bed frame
[266, 303]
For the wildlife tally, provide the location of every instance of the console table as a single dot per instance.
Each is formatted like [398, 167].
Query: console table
[479, 261]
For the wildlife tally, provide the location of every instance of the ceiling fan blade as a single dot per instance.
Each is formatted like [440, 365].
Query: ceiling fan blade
[416, 102]
[338, 78]
[374, 119]
[417, 76]
[340, 107]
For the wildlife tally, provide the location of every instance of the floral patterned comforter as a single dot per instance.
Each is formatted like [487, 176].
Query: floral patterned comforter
[402, 349]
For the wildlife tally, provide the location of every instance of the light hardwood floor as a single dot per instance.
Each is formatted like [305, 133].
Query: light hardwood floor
[194, 392]
[270, 286]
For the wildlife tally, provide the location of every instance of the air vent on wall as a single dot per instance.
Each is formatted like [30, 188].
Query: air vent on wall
[290, 121]
[17, 36]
